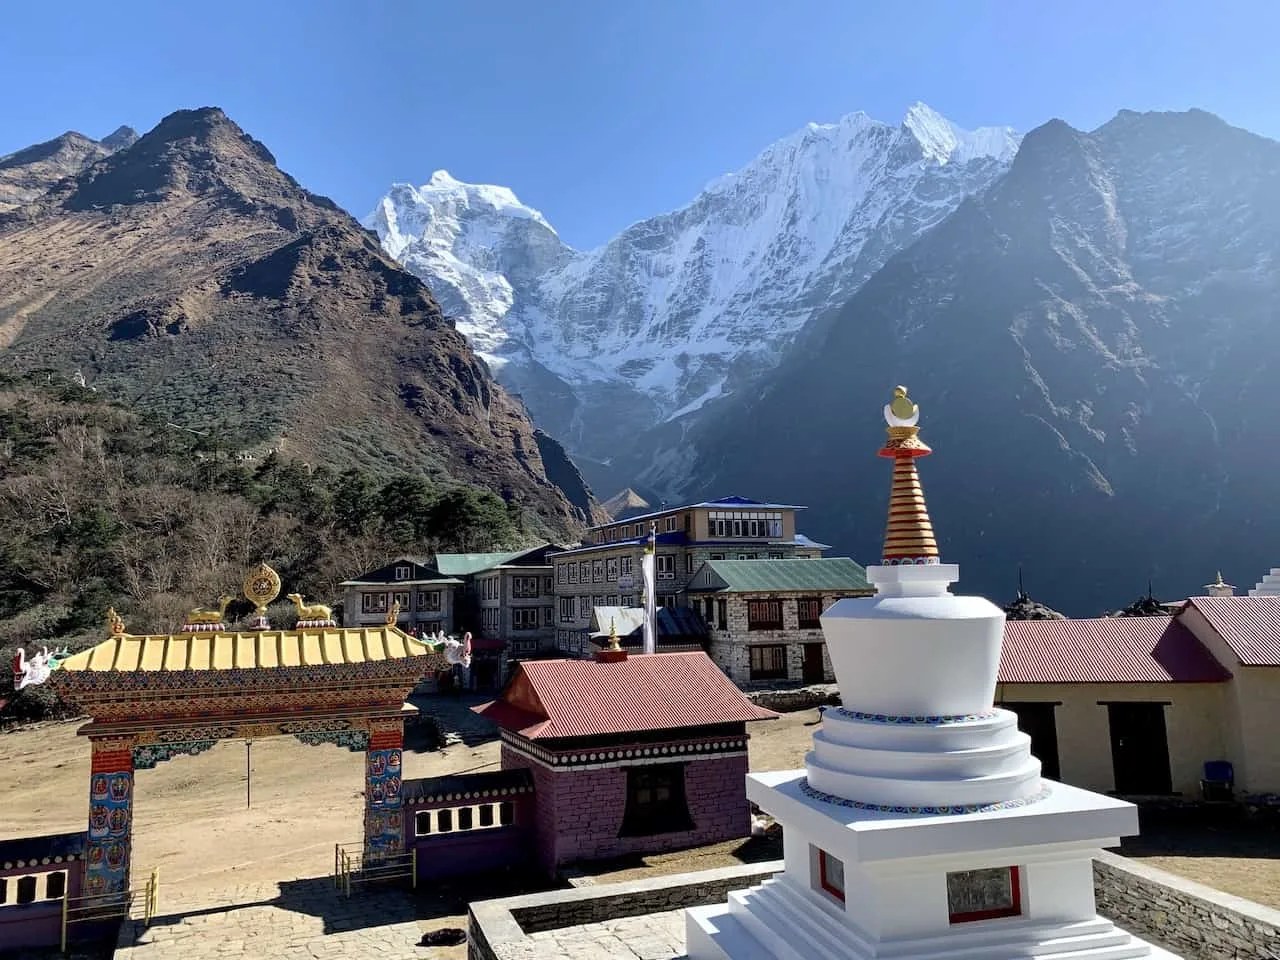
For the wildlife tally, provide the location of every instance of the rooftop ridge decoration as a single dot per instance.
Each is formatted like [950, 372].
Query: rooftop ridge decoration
[908, 534]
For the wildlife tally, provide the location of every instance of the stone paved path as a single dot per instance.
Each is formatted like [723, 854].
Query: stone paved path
[295, 920]
[654, 936]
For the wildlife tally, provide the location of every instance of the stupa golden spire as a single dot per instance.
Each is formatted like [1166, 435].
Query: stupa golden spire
[908, 534]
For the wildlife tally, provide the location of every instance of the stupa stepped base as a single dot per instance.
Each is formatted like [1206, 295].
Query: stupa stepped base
[778, 920]
[926, 762]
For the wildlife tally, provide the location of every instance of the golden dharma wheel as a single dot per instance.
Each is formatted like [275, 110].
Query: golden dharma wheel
[261, 586]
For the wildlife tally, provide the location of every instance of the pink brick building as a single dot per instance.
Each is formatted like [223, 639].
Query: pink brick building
[628, 754]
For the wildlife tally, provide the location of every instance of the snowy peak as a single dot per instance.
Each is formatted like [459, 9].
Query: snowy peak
[942, 141]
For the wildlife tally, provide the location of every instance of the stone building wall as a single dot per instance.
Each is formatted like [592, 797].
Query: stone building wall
[730, 649]
[1196, 921]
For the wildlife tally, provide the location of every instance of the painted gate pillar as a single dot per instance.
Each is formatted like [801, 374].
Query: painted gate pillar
[108, 847]
[383, 815]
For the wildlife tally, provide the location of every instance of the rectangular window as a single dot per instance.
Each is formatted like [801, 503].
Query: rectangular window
[584, 608]
[402, 573]
[584, 571]
[373, 603]
[688, 563]
[506, 813]
[486, 815]
[655, 801]
[429, 601]
[611, 600]
[775, 556]
[625, 566]
[737, 528]
[547, 616]
[524, 618]
[524, 588]
[26, 889]
[560, 572]
[4, 889]
[809, 610]
[444, 821]
[769, 662]
[639, 532]
[547, 586]
[831, 874]
[747, 556]
[665, 564]
[764, 614]
[597, 571]
[573, 572]
[671, 524]
[466, 818]
[611, 569]
[566, 609]
[722, 614]
[422, 823]
[983, 894]
[717, 556]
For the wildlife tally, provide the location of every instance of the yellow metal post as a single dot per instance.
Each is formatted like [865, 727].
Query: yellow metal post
[64, 917]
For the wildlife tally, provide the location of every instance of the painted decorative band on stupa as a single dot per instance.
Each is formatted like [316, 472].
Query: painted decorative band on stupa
[908, 534]
[940, 720]
[942, 810]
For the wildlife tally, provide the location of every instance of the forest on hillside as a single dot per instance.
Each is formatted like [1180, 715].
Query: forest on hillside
[102, 506]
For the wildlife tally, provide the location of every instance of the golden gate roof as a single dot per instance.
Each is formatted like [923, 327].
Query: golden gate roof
[312, 647]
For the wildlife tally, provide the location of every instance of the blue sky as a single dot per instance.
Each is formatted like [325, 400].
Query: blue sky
[602, 112]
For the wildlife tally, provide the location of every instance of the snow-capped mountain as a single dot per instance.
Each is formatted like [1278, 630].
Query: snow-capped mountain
[689, 305]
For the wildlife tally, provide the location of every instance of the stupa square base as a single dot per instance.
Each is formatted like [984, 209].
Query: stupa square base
[865, 883]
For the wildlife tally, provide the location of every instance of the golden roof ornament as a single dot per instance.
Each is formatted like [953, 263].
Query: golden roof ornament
[908, 535]
[614, 642]
[261, 586]
[393, 614]
[115, 623]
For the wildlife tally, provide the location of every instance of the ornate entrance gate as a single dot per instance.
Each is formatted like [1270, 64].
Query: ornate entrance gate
[157, 696]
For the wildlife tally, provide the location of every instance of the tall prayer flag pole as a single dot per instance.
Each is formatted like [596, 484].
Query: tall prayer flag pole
[647, 567]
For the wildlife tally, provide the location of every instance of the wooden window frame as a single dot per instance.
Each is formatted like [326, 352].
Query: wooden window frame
[823, 881]
[772, 674]
[1013, 910]
[763, 623]
[813, 623]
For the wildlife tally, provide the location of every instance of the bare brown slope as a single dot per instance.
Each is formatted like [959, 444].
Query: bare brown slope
[28, 173]
[191, 276]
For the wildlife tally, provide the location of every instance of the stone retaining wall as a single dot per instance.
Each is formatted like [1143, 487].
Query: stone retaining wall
[496, 928]
[1196, 921]
[789, 700]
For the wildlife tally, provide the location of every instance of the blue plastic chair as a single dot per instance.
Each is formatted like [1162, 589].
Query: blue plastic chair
[1219, 780]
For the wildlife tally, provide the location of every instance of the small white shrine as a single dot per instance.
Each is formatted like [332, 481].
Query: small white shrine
[920, 826]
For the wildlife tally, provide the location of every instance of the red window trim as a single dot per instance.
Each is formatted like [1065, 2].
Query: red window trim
[822, 877]
[1013, 910]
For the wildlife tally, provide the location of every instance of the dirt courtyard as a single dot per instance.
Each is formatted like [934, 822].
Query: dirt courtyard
[191, 818]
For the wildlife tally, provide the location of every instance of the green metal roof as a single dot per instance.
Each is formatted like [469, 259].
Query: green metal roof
[465, 564]
[767, 576]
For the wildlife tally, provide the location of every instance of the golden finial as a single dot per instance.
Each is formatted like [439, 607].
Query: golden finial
[393, 614]
[901, 406]
[614, 643]
[908, 536]
[115, 623]
[1219, 582]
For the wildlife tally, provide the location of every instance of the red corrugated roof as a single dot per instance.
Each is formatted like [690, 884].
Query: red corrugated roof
[1106, 650]
[584, 698]
[1250, 626]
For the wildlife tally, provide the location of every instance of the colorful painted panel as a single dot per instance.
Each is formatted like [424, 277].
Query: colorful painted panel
[384, 819]
[110, 826]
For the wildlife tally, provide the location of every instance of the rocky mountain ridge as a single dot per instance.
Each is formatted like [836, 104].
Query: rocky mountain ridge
[690, 305]
[27, 173]
[185, 274]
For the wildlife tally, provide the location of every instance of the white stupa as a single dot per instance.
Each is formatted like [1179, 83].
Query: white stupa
[920, 826]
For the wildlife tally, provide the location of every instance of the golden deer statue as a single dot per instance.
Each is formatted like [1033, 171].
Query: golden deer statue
[210, 614]
[310, 611]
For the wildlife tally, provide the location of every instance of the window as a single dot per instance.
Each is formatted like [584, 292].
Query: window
[584, 608]
[524, 618]
[639, 532]
[486, 815]
[688, 563]
[548, 615]
[402, 573]
[560, 573]
[722, 614]
[402, 598]
[422, 823]
[611, 600]
[373, 603]
[625, 566]
[809, 610]
[429, 601]
[717, 556]
[444, 821]
[584, 571]
[566, 609]
[547, 586]
[573, 572]
[655, 801]
[671, 524]
[4, 889]
[466, 818]
[983, 894]
[747, 556]
[769, 662]
[611, 569]
[524, 588]
[26, 889]
[666, 566]
[831, 875]
[764, 614]
[597, 571]
[775, 556]
[506, 813]
[55, 885]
